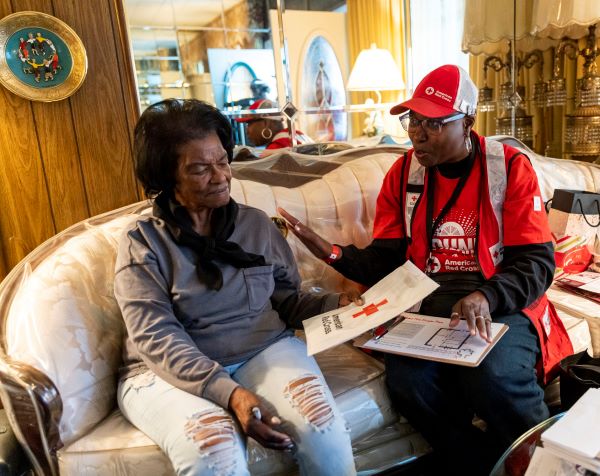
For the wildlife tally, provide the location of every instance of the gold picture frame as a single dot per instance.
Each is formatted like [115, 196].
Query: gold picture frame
[41, 57]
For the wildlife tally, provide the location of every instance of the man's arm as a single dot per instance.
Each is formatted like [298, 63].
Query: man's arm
[370, 264]
[528, 264]
[526, 274]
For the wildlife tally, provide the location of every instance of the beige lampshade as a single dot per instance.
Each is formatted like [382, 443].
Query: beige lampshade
[564, 18]
[490, 24]
[375, 70]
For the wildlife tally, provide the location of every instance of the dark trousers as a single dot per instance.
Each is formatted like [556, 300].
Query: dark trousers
[440, 400]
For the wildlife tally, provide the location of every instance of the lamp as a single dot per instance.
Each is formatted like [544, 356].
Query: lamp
[375, 70]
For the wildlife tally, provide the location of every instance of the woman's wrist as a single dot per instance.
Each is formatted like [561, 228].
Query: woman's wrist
[334, 254]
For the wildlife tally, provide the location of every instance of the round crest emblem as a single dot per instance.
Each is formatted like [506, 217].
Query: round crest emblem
[429, 91]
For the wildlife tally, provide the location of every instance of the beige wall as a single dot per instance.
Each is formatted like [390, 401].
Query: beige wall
[62, 162]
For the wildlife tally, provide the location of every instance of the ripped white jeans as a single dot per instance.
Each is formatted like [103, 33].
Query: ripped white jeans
[201, 438]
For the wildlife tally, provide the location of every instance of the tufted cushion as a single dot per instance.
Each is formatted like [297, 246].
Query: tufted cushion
[65, 321]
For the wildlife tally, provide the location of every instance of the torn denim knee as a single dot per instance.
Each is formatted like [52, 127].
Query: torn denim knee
[213, 433]
[307, 394]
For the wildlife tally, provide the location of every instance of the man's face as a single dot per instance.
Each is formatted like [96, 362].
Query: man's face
[434, 149]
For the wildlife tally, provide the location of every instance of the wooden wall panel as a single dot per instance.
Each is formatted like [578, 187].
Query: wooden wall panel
[26, 214]
[65, 161]
[59, 148]
[106, 156]
[25, 218]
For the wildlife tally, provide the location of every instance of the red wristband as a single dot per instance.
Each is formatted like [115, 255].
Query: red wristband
[336, 252]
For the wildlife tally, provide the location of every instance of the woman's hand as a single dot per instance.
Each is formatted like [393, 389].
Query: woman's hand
[257, 421]
[349, 297]
[315, 244]
[475, 308]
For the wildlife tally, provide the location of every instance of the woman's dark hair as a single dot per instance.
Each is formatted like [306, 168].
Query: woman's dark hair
[166, 126]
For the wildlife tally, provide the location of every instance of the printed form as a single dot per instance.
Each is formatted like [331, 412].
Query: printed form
[430, 338]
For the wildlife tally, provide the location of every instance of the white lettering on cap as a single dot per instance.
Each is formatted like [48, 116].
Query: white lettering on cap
[443, 96]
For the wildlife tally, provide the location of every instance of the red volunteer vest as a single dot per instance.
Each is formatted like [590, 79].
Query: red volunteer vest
[492, 172]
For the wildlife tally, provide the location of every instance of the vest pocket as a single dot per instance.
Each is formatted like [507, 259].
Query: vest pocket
[259, 285]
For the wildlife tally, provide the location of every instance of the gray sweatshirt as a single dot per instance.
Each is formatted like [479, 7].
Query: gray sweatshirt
[185, 332]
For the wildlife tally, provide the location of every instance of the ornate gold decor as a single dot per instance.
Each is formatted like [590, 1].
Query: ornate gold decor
[582, 131]
[41, 57]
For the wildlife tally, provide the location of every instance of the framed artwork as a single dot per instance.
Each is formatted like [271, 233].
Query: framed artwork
[41, 57]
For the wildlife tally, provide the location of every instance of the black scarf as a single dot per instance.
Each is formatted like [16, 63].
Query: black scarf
[208, 248]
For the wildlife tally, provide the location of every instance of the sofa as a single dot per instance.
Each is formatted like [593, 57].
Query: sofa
[62, 330]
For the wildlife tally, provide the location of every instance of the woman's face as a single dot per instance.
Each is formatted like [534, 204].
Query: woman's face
[203, 175]
[448, 146]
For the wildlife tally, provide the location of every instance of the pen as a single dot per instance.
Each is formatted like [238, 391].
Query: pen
[383, 329]
[256, 413]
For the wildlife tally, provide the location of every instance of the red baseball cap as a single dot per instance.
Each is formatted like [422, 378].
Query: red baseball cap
[442, 92]
[258, 104]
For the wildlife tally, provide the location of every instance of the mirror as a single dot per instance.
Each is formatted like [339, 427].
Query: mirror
[229, 52]
[213, 50]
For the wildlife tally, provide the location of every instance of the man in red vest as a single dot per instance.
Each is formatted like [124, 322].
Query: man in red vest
[468, 211]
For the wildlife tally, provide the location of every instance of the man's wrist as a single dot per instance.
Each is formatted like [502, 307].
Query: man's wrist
[334, 255]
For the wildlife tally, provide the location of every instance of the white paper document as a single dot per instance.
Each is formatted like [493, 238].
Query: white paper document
[576, 436]
[431, 338]
[394, 294]
[545, 463]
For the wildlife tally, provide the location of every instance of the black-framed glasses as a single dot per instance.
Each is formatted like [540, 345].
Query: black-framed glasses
[431, 126]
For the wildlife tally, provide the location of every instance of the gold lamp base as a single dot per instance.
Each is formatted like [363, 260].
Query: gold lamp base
[523, 128]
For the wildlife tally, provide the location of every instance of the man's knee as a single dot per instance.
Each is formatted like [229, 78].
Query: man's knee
[410, 378]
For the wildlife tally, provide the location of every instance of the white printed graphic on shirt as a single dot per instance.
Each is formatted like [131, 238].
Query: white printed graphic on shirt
[453, 244]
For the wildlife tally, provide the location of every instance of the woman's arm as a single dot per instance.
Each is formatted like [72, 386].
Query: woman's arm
[156, 334]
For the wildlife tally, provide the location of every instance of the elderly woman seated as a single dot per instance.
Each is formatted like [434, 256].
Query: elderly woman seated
[209, 291]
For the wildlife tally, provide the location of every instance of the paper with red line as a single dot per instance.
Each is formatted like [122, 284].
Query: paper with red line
[394, 294]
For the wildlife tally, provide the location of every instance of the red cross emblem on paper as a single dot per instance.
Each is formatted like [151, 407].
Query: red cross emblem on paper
[370, 309]
[496, 254]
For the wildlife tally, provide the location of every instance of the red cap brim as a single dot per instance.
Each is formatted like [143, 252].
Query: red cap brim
[422, 106]
[247, 119]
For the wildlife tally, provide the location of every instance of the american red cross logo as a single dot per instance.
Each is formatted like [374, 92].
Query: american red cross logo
[496, 254]
[370, 309]
[413, 198]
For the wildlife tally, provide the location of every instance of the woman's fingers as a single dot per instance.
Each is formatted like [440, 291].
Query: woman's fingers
[269, 437]
[257, 421]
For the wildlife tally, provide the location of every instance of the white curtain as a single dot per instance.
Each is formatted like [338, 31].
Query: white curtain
[436, 37]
